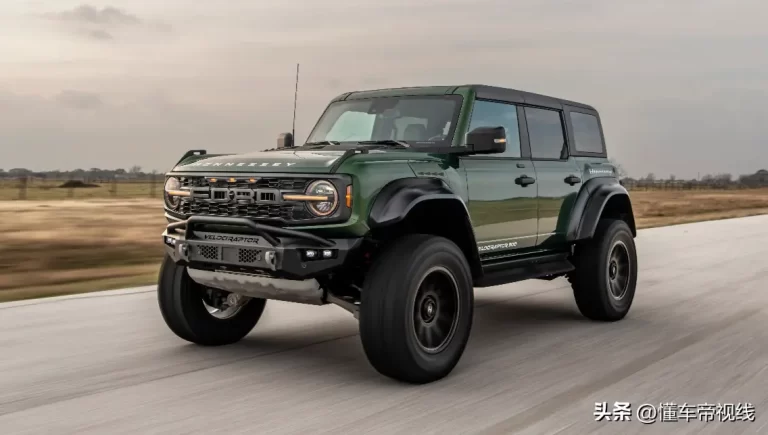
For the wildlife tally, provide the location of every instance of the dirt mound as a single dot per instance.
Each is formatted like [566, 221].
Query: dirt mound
[77, 184]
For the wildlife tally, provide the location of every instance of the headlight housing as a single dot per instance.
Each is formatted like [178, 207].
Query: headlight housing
[172, 187]
[326, 189]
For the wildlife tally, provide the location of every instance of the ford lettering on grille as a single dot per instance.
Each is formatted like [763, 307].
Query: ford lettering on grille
[224, 195]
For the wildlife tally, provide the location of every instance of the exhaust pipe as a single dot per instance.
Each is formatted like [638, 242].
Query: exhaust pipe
[307, 291]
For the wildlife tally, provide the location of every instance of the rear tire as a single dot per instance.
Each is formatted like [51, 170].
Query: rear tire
[416, 309]
[181, 304]
[605, 277]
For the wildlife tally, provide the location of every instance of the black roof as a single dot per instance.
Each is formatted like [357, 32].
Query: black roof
[518, 96]
[482, 91]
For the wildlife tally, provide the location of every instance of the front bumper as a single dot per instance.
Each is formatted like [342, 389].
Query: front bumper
[239, 245]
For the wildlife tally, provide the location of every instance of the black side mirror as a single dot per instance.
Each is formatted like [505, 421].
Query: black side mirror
[285, 140]
[487, 140]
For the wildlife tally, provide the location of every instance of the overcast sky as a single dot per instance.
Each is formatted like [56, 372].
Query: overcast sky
[682, 85]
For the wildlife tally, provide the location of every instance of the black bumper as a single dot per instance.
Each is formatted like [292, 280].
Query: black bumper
[241, 245]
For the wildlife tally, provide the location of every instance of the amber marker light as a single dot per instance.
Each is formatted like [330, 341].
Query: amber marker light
[349, 196]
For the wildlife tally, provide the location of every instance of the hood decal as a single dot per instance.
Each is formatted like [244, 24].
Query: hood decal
[282, 161]
[241, 164]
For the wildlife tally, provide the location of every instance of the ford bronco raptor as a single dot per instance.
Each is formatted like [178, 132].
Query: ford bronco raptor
[399, 205]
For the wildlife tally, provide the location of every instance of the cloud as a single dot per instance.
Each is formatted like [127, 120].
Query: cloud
[79, 100]
[100, 35]
[102, 24]
[106, 16]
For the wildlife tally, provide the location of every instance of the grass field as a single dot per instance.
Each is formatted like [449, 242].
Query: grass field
[55, 247]
[44, 190]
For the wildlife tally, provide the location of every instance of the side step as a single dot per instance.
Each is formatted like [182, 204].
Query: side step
[521, 269]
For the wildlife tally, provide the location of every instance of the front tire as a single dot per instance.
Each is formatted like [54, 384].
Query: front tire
[183, 306]
[605, 277]
[416, 309]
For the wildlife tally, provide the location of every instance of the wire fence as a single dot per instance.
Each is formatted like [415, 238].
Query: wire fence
[31, 188]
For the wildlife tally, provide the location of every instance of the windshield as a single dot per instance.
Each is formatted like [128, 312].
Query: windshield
[416, 120]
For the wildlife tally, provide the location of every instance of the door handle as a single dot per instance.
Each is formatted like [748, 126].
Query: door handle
[572, 179]
[524, 180]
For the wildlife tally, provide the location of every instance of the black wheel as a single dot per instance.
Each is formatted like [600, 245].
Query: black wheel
[416, 309]
[606, 272]
[202, 315]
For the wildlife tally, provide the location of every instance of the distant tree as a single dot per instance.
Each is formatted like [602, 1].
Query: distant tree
[672, 177]
[650, 177]
[723, 178]
[619, 169]
[19, 172]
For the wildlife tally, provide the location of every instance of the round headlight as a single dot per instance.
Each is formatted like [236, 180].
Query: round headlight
[327, 190]
[172, 185]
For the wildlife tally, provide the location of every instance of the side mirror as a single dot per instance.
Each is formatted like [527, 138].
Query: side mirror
[285, 140]
[487, 140]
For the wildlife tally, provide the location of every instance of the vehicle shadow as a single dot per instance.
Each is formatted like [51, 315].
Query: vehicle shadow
[331, 347]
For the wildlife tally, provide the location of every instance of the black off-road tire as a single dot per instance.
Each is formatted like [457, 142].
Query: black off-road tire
[388, 319]
[181, 304]
[592, 279]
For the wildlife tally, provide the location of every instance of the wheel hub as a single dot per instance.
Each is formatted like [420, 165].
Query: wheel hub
[612, 269]
[221, 304]
[618, 270]
[429, 309]
[436, 310]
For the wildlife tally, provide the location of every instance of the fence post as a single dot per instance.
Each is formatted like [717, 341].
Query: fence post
[23, 181]
[152, 185]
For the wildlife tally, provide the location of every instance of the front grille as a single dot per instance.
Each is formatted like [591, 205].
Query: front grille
[259, 211]
[265, 205]
[288, 184]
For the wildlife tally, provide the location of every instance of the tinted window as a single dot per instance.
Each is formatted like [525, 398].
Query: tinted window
[586, 133]
[545, 130]
[488, 114]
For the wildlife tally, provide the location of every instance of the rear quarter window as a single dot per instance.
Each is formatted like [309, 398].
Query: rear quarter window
[586, 133]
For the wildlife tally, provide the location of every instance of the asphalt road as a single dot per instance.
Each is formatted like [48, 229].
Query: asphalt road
[697, 334]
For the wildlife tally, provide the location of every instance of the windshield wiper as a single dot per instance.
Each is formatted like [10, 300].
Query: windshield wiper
[322, 142]
[386, 142]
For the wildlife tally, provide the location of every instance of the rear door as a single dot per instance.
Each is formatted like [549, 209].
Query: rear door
[502, 188]
[557, 175]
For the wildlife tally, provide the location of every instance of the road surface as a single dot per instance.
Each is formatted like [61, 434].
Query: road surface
[697, 334]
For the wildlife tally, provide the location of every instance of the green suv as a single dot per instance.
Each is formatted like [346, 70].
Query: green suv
[400, 204]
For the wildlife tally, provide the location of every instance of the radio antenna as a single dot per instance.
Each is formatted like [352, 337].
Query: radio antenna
[295, 97]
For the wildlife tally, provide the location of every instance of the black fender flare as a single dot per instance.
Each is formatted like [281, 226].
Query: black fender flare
[589, 206]
[399, 197]
[395, 201]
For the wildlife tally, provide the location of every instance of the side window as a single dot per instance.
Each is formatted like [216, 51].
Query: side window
[545, 132]
[490, 114]
[586, 133]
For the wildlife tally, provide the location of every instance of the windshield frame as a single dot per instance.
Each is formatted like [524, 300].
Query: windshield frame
[413, 145]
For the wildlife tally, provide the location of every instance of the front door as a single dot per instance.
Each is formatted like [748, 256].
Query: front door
[502, 187]
[557, 176]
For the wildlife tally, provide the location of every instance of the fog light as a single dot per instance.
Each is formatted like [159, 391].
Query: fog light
[311, 254]
[327, 254]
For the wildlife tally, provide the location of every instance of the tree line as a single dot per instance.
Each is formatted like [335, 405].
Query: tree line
[134, 173]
